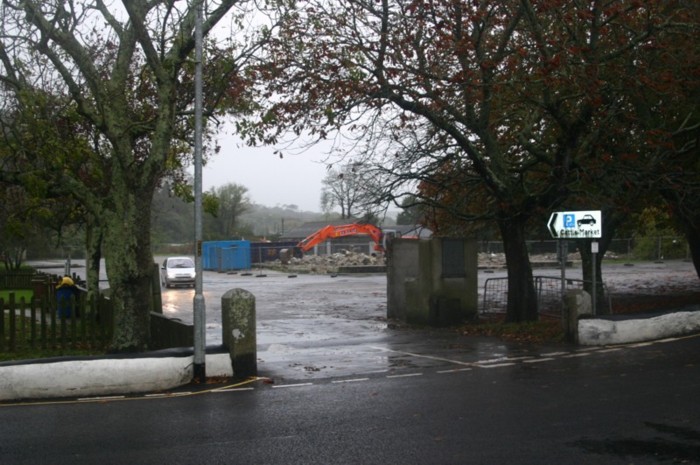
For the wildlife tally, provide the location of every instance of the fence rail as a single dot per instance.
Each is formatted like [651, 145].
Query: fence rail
[37, 325]
[17, 279]
[648, 248]
[35, 322]
[548, 289]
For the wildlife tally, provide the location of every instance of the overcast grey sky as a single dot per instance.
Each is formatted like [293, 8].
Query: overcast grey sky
[271, 181]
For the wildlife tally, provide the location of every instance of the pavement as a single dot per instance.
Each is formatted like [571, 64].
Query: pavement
[317, 326]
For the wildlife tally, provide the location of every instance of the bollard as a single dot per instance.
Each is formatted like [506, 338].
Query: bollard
[238, 327]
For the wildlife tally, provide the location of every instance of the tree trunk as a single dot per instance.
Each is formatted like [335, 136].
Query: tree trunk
[93, 244]
[13, 257]
[611, 222]
[522, 299]
[692, 235]
[127, 248]
[686, 212]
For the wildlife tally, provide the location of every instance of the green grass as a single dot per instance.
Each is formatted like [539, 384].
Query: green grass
[24, 351]
[27, 294]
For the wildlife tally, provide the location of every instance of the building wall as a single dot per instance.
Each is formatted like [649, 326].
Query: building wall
[432, 281]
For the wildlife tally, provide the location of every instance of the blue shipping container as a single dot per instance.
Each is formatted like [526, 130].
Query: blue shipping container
[226, 255]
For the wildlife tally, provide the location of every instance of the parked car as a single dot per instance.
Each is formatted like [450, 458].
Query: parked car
[177, 271]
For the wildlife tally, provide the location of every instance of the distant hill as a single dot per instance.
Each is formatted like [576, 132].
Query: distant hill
[271, 222]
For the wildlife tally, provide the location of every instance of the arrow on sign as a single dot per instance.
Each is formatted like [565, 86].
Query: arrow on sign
[550, 225]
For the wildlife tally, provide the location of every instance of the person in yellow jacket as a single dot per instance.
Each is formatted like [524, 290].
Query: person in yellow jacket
[66, 297]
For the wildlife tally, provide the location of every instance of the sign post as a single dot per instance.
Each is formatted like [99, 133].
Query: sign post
[586, 224]
[594, 254]
[563, 252]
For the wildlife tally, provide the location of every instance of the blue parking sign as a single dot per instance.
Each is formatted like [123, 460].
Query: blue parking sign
[586, 224]
[569, 221]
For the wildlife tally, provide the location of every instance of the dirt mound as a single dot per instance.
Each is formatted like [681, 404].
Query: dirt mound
[322, 264]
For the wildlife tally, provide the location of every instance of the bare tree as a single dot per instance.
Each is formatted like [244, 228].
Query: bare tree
[505, 97]
[126, 66]
[348, 188]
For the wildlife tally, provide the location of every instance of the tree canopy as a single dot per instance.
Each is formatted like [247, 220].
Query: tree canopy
[126, 70]
[232, 201]
[508, 101]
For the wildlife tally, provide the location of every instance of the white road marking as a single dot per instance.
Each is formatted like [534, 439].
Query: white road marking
[281, 386]
[233, 389]
[407, 375]
[494, 365]
[353, 380]
[429, 357]
[99, 398]
[455, 370]
[504, 359]
[578, 354]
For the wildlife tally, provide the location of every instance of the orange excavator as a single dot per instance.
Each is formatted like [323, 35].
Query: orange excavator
[330, 231]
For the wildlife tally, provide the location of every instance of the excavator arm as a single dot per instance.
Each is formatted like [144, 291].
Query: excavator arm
[330, 231]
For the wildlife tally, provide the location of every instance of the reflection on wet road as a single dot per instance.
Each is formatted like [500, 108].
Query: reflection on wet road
[318, 326]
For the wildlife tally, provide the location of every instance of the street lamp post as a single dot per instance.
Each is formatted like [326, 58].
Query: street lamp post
[199, 367]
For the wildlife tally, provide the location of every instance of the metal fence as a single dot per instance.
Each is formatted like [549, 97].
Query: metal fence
[330, 247]
[548, 289]
[648, 248]
[262, 252]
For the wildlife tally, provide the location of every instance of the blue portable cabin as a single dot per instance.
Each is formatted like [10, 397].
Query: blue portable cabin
[226, 255]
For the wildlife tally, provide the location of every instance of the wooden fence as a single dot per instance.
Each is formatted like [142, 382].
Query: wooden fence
[35, 324]
[20, 279]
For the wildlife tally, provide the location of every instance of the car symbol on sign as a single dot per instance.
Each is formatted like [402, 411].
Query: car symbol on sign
[587, 220]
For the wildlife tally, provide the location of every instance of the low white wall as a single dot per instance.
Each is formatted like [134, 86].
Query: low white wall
[604, 332]
[103, 377]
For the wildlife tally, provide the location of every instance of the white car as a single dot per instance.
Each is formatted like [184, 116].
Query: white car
[177, 271]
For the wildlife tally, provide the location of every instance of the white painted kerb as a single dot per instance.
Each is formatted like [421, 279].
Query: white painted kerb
[82, 378]
[604, 332]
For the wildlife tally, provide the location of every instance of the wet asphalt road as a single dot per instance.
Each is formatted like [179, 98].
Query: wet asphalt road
[311, 327]
[342, 387]
[317, 326]
[627, 405]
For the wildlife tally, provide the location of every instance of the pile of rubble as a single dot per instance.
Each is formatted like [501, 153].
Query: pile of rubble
[323, 264]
